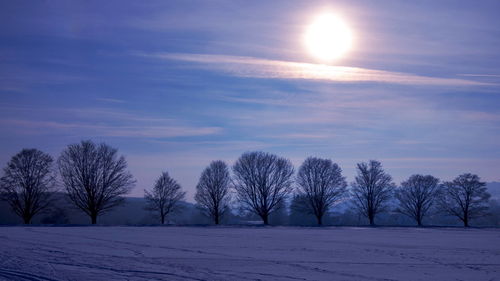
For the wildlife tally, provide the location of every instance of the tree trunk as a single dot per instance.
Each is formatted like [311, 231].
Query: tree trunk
[371, 217]
[320, 219]
[265, 219]
[93, 217]
[466, 221]
[162, 218]
[216, 219]
[419, 221]
[27, 219]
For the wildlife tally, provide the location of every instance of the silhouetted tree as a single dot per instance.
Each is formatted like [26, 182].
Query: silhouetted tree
[300, 213]
[321, 182]
[465, 197]
[95, 177]
[372, 189]
[280, 214]
[494, 210]
[28, 183]
[262, 180]
[416, 196]
[56, 215]
[165, 196]
[212, 191]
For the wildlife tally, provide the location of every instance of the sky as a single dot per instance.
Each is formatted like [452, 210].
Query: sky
[175, 85]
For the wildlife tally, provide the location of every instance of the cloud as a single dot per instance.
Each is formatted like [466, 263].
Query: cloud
[277, 69]
[32, 127]
[106, 113]
[463, 164]
[305, 136]
[481, 116]
[110, 100]
[481, 75]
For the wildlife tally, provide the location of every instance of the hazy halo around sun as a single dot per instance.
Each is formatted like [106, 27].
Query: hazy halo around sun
[328, 38]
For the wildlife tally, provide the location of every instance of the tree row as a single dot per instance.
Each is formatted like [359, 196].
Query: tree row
[95, 179]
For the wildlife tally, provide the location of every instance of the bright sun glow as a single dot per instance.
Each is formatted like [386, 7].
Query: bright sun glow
[328, 38]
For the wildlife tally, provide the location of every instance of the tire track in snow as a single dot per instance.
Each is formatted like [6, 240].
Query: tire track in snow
[15, 275]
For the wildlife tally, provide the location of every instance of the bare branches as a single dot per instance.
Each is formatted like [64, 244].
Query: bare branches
[416, 196]
[372, 189]
[95, 177]
[28, 182]
[321, 183]
[465, 197]
[212, 191]
[262, 181]
[164, 197]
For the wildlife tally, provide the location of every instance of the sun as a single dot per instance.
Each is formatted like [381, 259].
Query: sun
[328, 38]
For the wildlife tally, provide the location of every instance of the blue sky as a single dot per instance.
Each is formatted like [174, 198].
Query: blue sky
[177, 84]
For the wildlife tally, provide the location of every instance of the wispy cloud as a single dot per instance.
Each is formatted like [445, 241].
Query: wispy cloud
[165, 131]
[215, 145]
[110, 100]
[278, 69]
[480, 116]
[107, 113]
[305, 136]
[437, 162]
[480, 75]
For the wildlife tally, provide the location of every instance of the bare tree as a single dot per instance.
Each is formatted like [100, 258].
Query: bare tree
[212, 191]
[299, 210]
[465, 197]
[416, 196]
[165, 196]
[95, 177]
[262, 181]
[372, 189]
[321, 182]
[28, 183]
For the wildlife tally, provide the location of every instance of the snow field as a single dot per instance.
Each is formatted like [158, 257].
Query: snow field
[248, 253]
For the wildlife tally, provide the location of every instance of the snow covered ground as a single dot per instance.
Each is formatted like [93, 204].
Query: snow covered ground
[248, 253]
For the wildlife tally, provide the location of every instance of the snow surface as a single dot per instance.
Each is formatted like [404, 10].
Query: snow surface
[248, 253]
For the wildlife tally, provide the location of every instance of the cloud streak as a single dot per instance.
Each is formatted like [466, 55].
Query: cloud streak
[277, 69]
[481, 75]
[138, 130]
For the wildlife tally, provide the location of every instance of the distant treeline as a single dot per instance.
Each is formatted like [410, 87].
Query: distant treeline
[93, 179]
